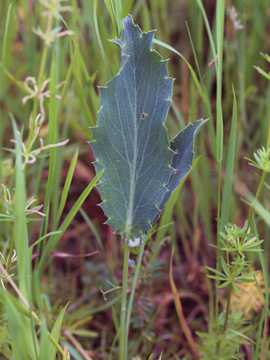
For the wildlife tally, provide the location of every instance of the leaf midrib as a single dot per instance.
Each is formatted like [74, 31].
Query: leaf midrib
[129, 217]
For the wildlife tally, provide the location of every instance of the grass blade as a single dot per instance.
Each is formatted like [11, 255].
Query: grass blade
[55, 334]
[17, 330]
[52, 140]
[54, 240]
[3, 60]
[193, 74]
[21, 242]
[84, 106]
[227, 189]
[67, 186]
[44, 343]
[20, 230]
[99, 38]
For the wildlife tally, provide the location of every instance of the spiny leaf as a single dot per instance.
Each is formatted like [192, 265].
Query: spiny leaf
[182, 144]
[131, 142]
[130, 139]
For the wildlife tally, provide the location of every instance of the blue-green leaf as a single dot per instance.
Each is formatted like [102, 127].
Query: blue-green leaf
[130, 139]
[182, 145]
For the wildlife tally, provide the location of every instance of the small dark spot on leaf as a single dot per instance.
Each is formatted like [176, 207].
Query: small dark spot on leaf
[144, 114]
[178, 172]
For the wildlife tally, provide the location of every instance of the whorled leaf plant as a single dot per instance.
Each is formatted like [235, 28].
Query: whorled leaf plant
[130, 142]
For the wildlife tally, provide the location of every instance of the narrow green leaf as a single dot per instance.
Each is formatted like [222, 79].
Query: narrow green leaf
[92, 227]
[216, 277]
[262, 72]
[44, 343]
[241, 334]
[98, 36]
[20, 229]
[114, 8]
[67, 186]
[56, 332]
[215, 271]
[84, 333]
[20, 308]
[39, 241]
[52, 140]
[193, 74]
[227, 189]
[212, 43]
[2, 67]
[54, 240]
[84, 106]
[17, 331]
[260, 209]
[89, 79]
[225, 284]
[73, 352]
[118, 14]
[220, 14]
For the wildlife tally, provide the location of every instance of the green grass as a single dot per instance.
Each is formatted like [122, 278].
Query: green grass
[54, 304]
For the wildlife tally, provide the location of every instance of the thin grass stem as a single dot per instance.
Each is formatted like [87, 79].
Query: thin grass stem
[218, 266]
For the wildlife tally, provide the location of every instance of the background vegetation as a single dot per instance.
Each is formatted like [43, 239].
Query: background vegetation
[61, 267]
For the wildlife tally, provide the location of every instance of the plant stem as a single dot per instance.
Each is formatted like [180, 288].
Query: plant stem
[122, 340]
[218, 235]
[256, 198]
[227, 309]
[226, 317]
[135, 279]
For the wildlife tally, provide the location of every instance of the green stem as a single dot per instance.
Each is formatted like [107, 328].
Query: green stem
[256, 198]
[135, 279]
[227, 309]
[226, 317]
[123, 329]
[218, 235]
